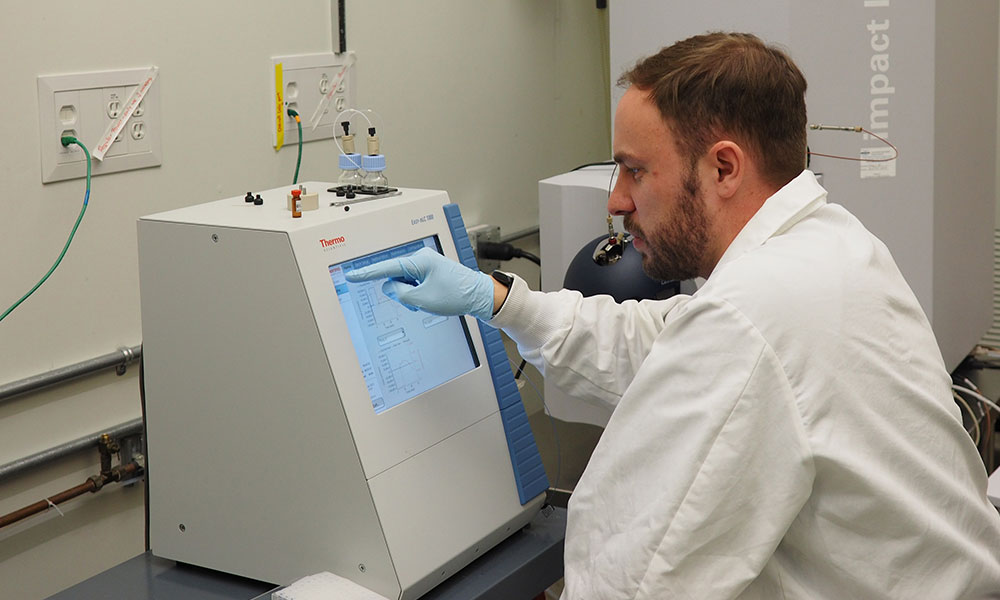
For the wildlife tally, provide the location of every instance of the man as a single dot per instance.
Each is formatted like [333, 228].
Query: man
[786, 432]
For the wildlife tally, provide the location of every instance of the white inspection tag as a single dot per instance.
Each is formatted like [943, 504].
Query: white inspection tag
[877, 162]
[116, 125]
[325, 102]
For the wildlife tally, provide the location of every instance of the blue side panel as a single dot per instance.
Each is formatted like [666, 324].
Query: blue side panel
[529, 474]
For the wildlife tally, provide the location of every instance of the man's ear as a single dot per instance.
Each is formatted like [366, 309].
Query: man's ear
[726, 163]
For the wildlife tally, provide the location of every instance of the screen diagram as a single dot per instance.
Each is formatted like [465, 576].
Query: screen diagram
[402, 353]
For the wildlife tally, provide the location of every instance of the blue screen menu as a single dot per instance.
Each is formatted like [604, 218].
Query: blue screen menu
[402, 353]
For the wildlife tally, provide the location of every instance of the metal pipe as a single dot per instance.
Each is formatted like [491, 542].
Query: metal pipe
[11, 469]
[119, 359]
[37, 507]
[93, 484]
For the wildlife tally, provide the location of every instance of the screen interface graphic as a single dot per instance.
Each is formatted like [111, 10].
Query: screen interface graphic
[403, 353]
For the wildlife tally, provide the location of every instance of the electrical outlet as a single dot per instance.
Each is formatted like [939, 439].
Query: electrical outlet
[83, 105]
[139, 127]
[113, 100]
[305, 80]
[67, 108]
[484, 233]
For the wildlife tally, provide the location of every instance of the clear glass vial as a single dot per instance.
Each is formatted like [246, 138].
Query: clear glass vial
[374, 179]
[350, 177]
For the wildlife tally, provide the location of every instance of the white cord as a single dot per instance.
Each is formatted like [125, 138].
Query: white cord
[552, 422]
[974, 388]
[355, 111]
[336, 121]
[977, 396]
[381, 123]
[968, 409]
[971, 385]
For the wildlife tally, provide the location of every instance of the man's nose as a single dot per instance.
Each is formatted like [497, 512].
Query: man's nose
[620, 200]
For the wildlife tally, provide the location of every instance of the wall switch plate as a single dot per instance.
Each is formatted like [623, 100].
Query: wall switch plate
[305, 79]
[82, 105]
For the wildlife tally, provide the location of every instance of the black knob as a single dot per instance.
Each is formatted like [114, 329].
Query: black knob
[257, 201]
[248, 197]
[350, 194]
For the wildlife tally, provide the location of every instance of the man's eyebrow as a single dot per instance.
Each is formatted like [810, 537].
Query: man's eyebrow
[622, 157]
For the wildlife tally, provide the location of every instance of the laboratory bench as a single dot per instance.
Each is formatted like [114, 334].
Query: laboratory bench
[520, 567]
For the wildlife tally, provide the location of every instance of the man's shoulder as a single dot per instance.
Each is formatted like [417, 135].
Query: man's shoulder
[818, 256]
[810, 280]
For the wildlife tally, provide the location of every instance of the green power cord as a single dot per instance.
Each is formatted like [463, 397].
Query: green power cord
[66, 141]
[298, 121]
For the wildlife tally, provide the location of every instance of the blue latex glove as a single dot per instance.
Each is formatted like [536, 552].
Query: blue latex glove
[427, 281]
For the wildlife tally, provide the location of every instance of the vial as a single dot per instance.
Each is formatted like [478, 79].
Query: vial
[350, 177]
[296, 204]
[374, 180]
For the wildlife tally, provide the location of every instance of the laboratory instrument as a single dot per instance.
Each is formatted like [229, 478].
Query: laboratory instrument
[298, 422]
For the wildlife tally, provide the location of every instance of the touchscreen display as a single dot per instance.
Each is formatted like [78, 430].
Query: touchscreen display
[403, 353]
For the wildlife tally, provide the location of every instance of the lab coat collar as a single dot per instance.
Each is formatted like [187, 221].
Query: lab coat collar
[789, 205]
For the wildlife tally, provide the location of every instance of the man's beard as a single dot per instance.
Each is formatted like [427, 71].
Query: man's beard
[676, 248]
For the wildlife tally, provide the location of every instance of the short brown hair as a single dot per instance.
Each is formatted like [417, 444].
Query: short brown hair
[730, 84]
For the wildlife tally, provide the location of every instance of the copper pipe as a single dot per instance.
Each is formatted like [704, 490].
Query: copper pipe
[93, 484]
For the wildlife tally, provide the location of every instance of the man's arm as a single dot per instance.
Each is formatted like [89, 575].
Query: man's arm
[499, 295]
[590, 348]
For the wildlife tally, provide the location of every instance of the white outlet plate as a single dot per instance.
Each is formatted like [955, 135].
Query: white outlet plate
[82, 103]
[302, 82]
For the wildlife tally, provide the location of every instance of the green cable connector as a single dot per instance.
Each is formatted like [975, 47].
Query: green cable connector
[66, 141]
[298, 162]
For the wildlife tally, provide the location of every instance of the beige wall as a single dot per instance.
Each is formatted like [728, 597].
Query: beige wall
[480, 98]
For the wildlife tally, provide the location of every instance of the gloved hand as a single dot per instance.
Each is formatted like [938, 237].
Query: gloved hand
[427, 281]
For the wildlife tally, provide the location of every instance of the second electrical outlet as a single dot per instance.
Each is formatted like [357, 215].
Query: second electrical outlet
[304, 80]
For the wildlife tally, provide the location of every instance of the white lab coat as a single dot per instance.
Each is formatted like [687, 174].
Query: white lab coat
[786, 432]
